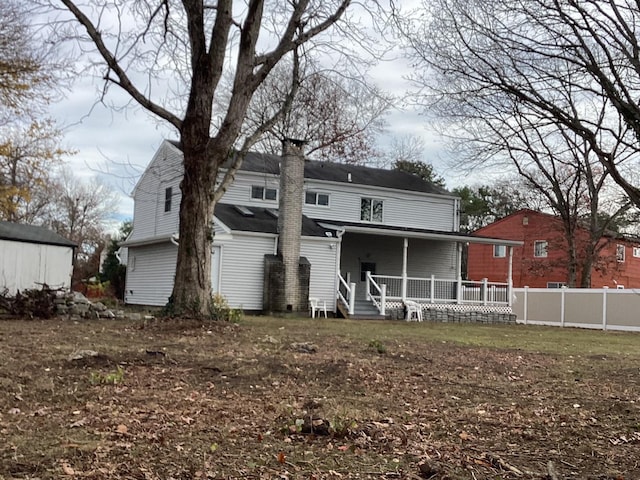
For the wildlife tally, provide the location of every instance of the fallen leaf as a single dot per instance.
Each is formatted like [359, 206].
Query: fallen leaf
[281, 457]
[66, 468]
[464, 436]
[122, 429]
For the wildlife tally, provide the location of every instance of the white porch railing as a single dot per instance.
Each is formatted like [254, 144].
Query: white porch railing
[376, 293]
[436, 290]
[347, 294]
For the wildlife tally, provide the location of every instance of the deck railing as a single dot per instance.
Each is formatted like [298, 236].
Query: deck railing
[437, 290]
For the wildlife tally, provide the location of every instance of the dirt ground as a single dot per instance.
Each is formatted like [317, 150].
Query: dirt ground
[297, 399]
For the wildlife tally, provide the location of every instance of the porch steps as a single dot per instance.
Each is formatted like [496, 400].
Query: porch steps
[363, 309]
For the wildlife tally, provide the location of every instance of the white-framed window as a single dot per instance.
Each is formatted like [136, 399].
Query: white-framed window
[316, 198]
[499, 251]
[556, 284]
[371, 210]
[540, 248]
[620, 253]
[636, 251]
[168, 193]
[259, 192]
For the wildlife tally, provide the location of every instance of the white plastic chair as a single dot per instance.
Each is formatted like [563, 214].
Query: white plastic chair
[317, 306]
[413, 308]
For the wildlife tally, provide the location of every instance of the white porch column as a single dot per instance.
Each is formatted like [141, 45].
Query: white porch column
[405, 249]
[510, 278]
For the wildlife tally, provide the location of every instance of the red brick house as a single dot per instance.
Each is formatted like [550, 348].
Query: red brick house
[542, 262]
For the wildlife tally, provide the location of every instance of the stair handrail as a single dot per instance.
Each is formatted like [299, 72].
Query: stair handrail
[350, 290]
[382, 291]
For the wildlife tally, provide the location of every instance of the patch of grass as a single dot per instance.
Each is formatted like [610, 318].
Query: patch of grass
[530, 338]
[378, 346]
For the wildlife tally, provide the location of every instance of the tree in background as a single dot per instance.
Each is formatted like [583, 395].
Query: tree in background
[180, 50]
[338, 117]
[511, 100]
[28, 74]
[405, 154]
[79, 211]
[28, 158]
[569, 65]
[113, 271]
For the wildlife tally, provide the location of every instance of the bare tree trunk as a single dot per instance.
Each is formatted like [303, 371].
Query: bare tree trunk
[192, 285]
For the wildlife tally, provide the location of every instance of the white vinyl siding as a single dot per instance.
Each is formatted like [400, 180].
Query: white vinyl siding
[150, 273]
[26, 265]
[322, 256]
[149, 216]
[239, 192]
[401, 208]
[242, 276]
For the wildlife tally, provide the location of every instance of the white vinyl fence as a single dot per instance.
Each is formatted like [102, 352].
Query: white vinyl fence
[600, 308]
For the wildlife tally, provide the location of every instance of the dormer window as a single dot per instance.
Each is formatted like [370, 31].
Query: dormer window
[316, 198]
[263, 193]
[371, 210]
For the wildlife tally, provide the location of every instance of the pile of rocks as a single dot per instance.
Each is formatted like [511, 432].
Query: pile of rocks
[76, 306]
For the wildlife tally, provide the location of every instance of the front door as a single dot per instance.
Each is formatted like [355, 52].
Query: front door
[361, 289]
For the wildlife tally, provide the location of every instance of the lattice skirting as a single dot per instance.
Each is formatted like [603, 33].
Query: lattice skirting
[457, 313]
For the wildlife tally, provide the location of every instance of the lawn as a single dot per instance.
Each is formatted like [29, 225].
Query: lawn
[316, 399]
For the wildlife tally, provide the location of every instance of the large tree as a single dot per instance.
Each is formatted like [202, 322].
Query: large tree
[523, 83]
[185, 47]
[574, 63]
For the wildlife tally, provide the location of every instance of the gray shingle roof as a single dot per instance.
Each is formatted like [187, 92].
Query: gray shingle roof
[32, 234]
[261, 220]
[341, 172]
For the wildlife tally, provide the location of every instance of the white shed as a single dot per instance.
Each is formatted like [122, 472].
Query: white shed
[31, 256]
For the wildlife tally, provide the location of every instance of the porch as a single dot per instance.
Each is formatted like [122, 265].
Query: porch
[386, 292]
[412, 256]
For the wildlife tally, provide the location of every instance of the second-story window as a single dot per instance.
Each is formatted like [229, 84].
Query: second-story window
[263, 193]
[540, 248]
[371, 210]
[167, 199]
[316, 198]
[499, 251]
[620, 253]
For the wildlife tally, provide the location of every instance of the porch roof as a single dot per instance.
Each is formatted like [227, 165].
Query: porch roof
[389, 230]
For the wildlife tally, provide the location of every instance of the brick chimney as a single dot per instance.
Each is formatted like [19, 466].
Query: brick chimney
[290, 220]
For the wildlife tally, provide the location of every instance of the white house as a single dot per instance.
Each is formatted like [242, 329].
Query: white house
[32, 256]
[399, 228]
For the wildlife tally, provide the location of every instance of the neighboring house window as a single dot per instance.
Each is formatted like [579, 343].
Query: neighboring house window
[556, 284]
[167, 199]
[620, 253]
[499, 251]
[263, 193]
[315, 198]
[540, 248]
[636, 251]
[371, 210]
